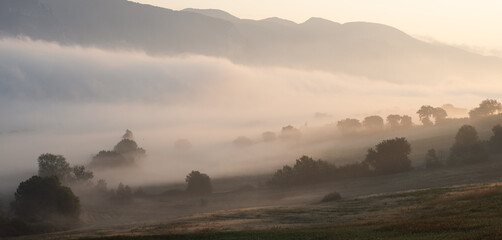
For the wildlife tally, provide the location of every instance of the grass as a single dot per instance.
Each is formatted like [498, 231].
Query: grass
[443, 213]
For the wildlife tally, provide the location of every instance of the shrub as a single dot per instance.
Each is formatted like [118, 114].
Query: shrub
[198, 183]
[330, 197]
[45, 200]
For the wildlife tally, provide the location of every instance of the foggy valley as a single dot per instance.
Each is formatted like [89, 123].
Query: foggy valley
[147, 121]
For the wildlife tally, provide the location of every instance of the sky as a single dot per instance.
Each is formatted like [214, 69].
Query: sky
[469, 24]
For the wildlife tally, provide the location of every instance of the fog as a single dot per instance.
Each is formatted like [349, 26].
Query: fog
[77, 101]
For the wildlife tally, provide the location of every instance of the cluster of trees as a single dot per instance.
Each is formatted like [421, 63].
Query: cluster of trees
[467, 148]
[46, 203]
[374, 123]
[124, 154]
[307, 171]
[389, 156]
[56, 165]
[427, 114]
[287, 133]
[486, 108]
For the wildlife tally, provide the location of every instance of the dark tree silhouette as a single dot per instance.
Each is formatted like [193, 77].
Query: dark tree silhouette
[54, 165]
[373, 123]
[123, 193]
[390, 156]
[467, 147]
[486, 108]
[495, 142]
[432, 160]
[127, 146]
[44, 199]
[406, 121]
[394, 121]
[81, 175]
[425, 113]
[349, 125]
[198, 183]
[124, 154]
[128, 135]
[109, 159]
[439, 115]
[307, 170]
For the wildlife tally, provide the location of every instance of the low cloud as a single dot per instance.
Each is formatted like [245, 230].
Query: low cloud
[76, 101]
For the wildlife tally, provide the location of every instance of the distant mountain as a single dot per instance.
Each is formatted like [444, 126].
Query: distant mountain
[370, 50]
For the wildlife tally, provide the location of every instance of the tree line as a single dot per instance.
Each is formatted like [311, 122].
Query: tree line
[390, 156]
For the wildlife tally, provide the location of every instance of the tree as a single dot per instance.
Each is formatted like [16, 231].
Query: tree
[289, 132]
[109, 159]
[486, 108]
[439, 115]
[198, 183]
[373, 123]
[432, 160]
[308, 170]
[425, 113]
[44, 199]
[394, 121]
[495, 142]
[123, 193]
[390, 156]
[349, 125]
[101, 186]
[268, 136]
[124, 154]
[406, 121]
[127, 146]
[82, 175]
[467, 147]
[242, 141]
[53, 165]
[128, 135]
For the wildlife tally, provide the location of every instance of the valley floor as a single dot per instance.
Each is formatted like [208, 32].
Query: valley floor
[451, 203]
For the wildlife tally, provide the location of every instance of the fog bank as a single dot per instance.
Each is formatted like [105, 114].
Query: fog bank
[77, 101]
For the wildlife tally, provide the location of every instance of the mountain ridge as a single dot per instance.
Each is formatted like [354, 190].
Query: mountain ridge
[372, 50]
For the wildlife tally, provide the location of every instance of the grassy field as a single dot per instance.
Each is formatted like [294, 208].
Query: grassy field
[468, 212]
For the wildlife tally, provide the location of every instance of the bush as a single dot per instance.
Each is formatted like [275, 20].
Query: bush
[307, 171]
[45, 200]
[330, 197]
[198, 183]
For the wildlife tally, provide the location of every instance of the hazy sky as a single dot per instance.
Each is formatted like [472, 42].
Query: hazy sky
[474, 24]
